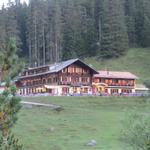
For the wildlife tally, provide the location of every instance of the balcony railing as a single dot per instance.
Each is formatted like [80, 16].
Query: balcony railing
[120, 84]
[74, 83]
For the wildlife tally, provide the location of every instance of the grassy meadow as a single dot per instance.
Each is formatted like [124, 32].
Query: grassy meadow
[136, 61]
[83, 119]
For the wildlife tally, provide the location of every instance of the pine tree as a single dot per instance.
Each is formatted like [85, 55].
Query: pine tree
[9, 103]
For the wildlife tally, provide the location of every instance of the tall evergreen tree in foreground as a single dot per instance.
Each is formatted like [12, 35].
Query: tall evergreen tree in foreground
[9, 103]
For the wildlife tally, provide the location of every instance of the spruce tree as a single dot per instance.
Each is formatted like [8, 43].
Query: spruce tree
[145, 32]
[114, 34]
[130, 14]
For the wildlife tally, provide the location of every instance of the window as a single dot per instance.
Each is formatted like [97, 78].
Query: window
[84, 79]
[129, 82]
[36, 82]
[77, 70]
[85, 90]
[44, 81]
[114, 91]
[54, 79]
[126, 91]
[24, 73]
[102, 80]
[115, 80]
[80, 70]
[77, 79]
[40, 81]
[64, 78]
[70, 69]
[96, 80]
[28, 83]
[85, 70]
[64, 70]
[49, 80]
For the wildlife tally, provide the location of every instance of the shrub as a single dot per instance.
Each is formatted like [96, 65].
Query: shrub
[136, 130]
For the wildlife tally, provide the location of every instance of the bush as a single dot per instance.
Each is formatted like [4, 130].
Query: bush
[147, 83]
[137, 130]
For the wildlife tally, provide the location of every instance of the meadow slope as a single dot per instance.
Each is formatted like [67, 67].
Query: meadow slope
[136, 61]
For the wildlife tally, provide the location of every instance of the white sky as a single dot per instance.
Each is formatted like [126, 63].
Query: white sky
[6, 1]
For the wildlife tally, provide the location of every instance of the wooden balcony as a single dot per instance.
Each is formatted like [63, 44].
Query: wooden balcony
[74, 83]
[120, 84]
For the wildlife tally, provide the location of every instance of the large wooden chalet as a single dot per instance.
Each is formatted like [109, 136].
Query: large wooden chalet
[67, 77]
[74, 77]
[112, 82]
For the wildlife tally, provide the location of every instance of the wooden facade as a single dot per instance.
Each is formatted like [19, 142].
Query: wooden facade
[74, 77]
[69, 77]
[114, 82]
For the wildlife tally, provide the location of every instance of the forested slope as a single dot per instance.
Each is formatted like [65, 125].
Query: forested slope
[54, 30]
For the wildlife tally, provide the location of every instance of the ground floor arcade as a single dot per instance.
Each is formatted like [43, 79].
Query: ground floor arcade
[103, 88]
[56, 90]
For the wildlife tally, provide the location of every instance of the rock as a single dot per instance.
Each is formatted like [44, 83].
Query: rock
[59, 108]
[27, 106]
[92, 143]
[52, 129]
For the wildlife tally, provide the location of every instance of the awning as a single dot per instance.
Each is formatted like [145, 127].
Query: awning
[50, 87]
[99, 84]
[40, 88]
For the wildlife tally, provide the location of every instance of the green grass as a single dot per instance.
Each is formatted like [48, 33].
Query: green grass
[136, 61]
[83, 119]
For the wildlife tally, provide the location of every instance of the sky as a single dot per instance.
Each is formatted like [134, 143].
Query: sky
[6, 1]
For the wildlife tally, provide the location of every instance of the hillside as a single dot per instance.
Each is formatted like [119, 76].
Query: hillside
[47, 31]
[136, 61]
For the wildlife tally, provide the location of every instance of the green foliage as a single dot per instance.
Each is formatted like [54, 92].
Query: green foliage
[9, 107]
[9, 103]
[137, 130]
[114, 34]
[52, 30]
[10, 62]
[12, 143]
[147, 83]
[13, 89]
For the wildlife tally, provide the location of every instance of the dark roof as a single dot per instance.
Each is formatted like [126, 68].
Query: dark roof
[116, 75]
[56, 67]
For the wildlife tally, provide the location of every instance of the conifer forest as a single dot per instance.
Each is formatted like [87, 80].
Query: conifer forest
[48, 31]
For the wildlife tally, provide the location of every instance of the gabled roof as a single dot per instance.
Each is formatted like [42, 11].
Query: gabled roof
[59, 66]
[116, 75]
[56, 67]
